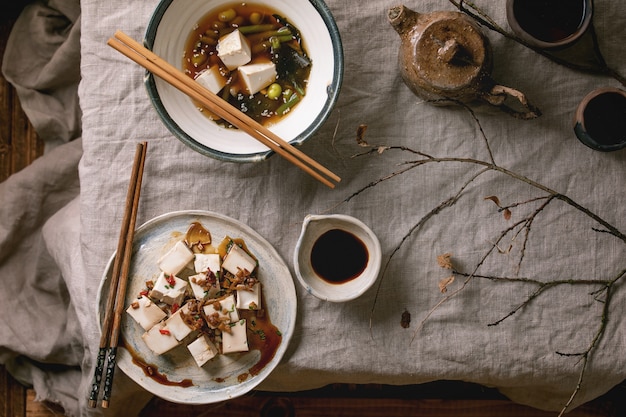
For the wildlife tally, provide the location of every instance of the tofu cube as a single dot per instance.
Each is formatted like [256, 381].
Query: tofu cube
[202, 289]
[212, 79]
[226, 312]
[176, 259]
[249, 299]
[177, 326]
[169, 289]
[257, 76]
[237, 339]
[159, 339]
[238, 259]
[234, 50]
[202, 350]
[145, 312]
[206, 261]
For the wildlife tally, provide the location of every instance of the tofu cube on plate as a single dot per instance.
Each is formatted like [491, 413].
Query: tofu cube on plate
[176, 259]
[202, 350]
[177, 326]
[169, 289]
[249, 299]
[238, 259]
[226, 311]
[159, 339]
[145, 312]
[201, 288]
[204, 261]
[237, 339]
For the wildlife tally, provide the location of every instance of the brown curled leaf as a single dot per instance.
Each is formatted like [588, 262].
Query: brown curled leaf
[507, 214]
[360, 133]
[445, 260]
[495, 199]
[405, 320]
[444, 283]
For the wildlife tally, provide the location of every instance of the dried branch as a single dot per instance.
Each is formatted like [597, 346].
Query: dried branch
[521, 227]
[449, 202]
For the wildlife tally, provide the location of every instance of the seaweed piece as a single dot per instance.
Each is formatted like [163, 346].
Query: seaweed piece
[289, 56]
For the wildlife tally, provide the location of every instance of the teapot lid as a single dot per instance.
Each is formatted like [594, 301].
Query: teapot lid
[452, 53]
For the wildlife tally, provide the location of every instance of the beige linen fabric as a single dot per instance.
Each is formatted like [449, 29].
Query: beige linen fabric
[334, 342]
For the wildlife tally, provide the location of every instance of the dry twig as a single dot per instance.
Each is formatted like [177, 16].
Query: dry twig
[522, 227]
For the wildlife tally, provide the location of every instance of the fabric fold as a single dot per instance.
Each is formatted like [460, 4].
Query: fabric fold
[42, 62]
[41, 341]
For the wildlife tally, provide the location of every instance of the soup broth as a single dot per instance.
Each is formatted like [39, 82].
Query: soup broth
[272, 38]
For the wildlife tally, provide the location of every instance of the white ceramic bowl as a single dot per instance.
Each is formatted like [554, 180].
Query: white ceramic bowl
[166, 35]
[313, 227]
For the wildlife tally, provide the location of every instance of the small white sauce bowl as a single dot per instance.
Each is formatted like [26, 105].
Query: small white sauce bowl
[166, 34]
[315, 226]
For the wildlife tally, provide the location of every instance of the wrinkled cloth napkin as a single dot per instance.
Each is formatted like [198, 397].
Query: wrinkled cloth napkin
[56, 232]
[41, 342]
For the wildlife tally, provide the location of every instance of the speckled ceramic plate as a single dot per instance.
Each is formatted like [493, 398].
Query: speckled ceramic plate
[219, 379]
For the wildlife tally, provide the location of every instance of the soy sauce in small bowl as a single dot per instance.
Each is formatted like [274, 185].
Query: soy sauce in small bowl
[337, 257]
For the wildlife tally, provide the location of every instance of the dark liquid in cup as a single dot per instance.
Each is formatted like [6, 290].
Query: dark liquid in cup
[550, 20]
[605, 118]
[338, 256]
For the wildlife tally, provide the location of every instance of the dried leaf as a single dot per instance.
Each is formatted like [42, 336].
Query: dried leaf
[445, 260]
[507, 214]
[360, 133]
[495, 199]
[405, 320]
[382, 149]
[444, 283]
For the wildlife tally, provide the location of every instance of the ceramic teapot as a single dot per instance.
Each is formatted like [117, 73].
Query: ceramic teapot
[445, 58]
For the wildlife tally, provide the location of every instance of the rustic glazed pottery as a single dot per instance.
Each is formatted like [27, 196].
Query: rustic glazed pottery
[444, 58]
[600, 119]
[549, 24]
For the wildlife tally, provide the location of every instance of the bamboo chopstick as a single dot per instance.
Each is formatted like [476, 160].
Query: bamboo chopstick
[162, 69]
[117, 287]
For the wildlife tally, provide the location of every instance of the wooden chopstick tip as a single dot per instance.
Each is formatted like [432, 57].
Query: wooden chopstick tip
[119, 274]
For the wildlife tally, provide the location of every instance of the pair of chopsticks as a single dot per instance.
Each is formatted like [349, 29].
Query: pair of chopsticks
[162, 69]
[117, 289]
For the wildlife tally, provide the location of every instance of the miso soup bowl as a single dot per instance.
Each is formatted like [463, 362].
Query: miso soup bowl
[314, 227]
[166, 35]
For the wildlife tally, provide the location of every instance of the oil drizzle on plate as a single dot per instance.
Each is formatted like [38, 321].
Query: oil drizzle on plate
[152, 371]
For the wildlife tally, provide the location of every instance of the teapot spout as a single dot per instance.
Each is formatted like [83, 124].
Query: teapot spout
[402, 19]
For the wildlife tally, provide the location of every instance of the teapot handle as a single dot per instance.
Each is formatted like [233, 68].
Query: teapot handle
[498, 96]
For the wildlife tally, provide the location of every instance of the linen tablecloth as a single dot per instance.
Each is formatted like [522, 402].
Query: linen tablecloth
[419, 214]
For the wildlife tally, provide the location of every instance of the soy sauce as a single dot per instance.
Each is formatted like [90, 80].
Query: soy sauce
[550, 20]
[338, 256]
[605, 118]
